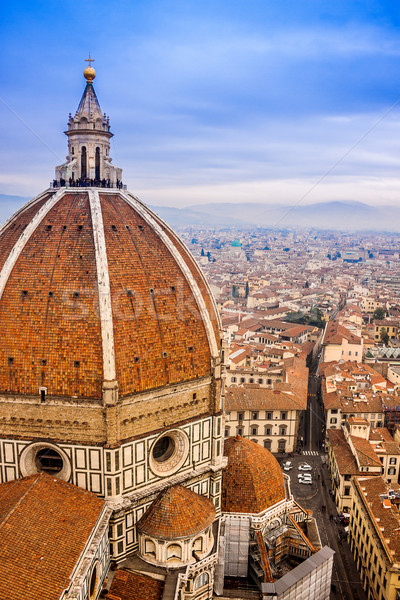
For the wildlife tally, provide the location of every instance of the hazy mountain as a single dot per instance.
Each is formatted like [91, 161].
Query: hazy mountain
[327, 215]
[322, 215]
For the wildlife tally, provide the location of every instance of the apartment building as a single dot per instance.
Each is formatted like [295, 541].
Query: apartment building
[357, 449]
[374, 537]
[339, 343]
[269, 417]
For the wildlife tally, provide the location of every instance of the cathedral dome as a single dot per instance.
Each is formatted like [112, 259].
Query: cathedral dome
[96, 288]
[253, 481]
[177, 513]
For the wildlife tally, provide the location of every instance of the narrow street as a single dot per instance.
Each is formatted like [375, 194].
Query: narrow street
[346, 584]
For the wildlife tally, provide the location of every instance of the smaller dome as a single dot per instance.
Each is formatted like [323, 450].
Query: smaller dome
[177, 513]
[236, 243]
[253, 479]
[89, 74]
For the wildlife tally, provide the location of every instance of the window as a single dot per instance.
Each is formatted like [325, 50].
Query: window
[254, 431]
[94, 581]
[356, 353]
[334, 411]
[333, 420]
[267, 430]
[242, 380]
[240, 416]
[233, 379]
[174, 551]
[202, 579]
[283, 430]
[260, 381]
[163, 449]
[391, 471]
[254, 416]
[347, 490]
[267, 444]
[268, 416]
[283, 416]
[239, 431]
[83, 162]
[282, 445]
[198, 544]
[48, 461]
[392, 461]
[227, 431]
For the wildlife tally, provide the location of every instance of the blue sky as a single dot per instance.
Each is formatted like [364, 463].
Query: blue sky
[210, 101]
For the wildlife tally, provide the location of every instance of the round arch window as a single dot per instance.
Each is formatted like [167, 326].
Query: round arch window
[43, 457]
[94, 581]
[169, 452]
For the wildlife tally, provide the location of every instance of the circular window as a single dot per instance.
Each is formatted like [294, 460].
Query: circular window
[169, 452]
[43, 457]
[163, 449]
[48, 460]
[94, 581]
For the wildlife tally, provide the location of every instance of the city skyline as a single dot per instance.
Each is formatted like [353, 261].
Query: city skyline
[210, 102]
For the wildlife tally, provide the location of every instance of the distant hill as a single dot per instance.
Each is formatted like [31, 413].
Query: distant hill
[322, 215]
[342, 216]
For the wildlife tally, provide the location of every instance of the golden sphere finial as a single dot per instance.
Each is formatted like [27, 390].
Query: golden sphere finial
[89, 73]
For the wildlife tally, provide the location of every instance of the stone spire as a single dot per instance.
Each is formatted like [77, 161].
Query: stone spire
[89, 135]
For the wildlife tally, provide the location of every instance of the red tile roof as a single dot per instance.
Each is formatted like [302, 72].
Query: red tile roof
[177, 513]
[134, 586]
[253, 480]
[335, 333]
[45, 524]
[257, 398]
[155, 316]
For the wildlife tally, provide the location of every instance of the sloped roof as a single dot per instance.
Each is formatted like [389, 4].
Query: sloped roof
[135, 586]
[45, 524]
[259, 398]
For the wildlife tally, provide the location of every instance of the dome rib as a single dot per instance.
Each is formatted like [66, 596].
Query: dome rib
[177, 513]
[103, 281]
[147, 216]
[63, 276]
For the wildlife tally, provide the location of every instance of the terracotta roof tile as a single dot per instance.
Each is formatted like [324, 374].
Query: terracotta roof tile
[45, 524]
[177, 513]
[253, 480]
[135, 586]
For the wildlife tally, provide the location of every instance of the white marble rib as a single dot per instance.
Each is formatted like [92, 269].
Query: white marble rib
[145, 214]
[25, 236]
[103, 281]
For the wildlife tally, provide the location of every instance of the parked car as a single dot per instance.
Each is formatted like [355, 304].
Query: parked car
[305, 467]
[306, 481]
[287, 465]
[304, 475]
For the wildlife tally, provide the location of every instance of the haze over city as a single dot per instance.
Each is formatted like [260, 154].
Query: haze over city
[263, 102]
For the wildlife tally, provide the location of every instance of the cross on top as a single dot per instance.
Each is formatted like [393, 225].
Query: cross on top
[89, 60]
